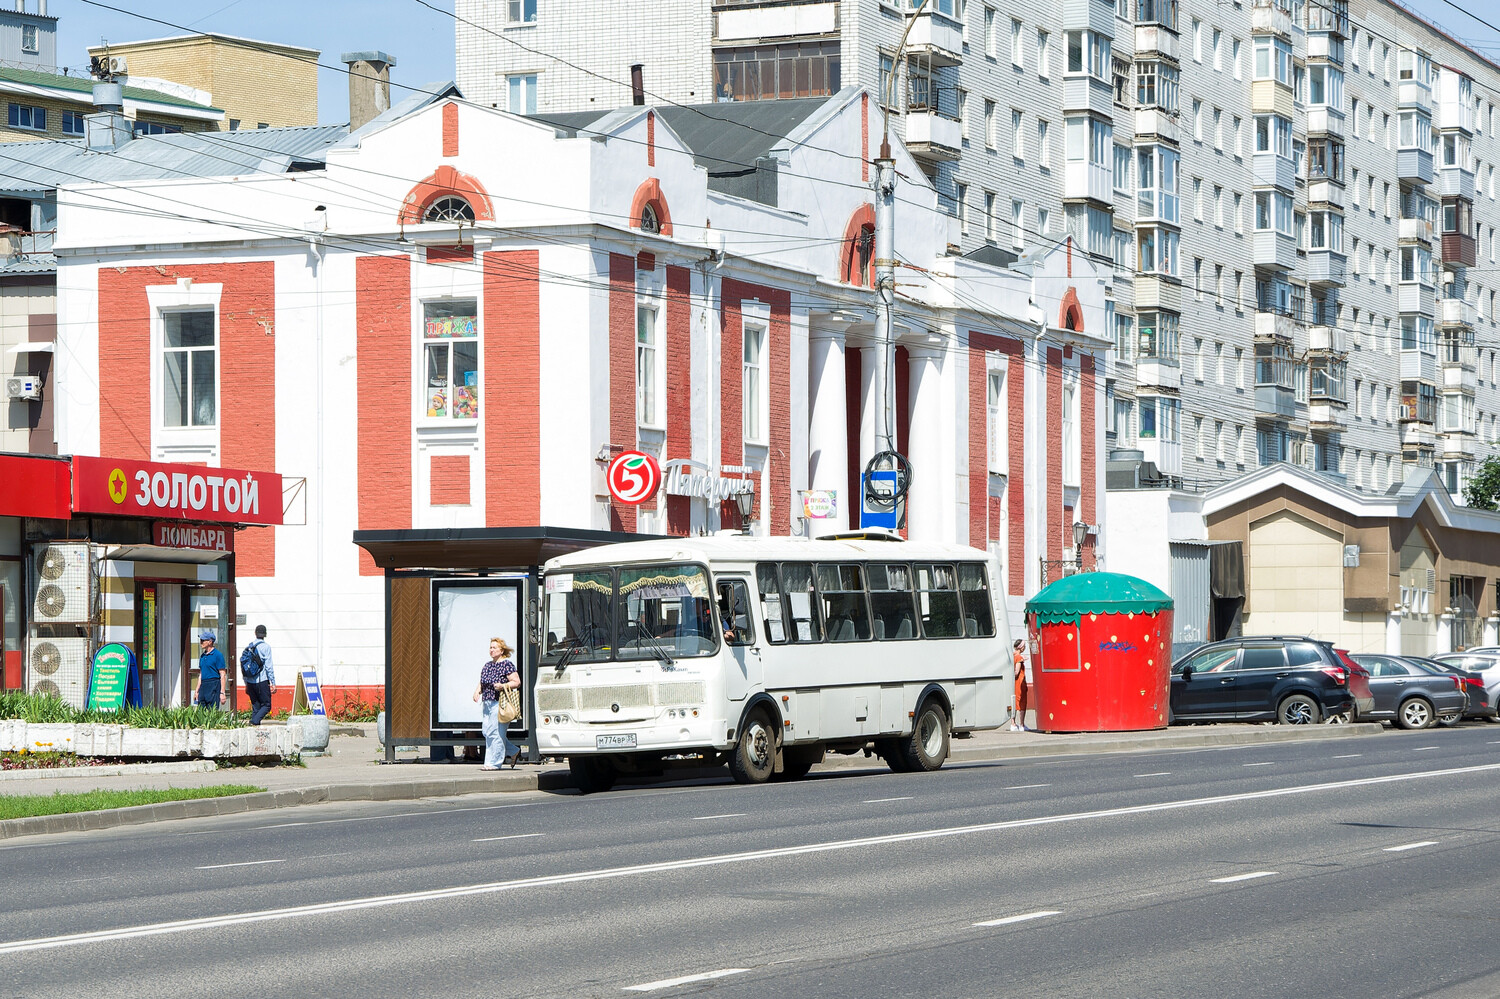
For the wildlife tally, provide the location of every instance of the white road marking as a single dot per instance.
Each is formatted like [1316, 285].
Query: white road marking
[877, 801]
[1023, 787]
[726, 815]
[1243, 877]
[496, 839]
[1348, 756]
[1265, 763]
[243, 863]
[667, 983]
[1422, 748]
[1164, 773]
[1411, 846]
[1039, 914]
[693, 863]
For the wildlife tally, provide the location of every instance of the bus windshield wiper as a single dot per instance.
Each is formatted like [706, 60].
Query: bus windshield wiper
[568, 654]
[657, 651]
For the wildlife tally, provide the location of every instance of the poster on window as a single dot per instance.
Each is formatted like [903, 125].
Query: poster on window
[466, 615]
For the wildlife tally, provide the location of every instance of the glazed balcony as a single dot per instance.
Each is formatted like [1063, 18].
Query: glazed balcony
[1458, 250]
[938, 38]
[1326, 268]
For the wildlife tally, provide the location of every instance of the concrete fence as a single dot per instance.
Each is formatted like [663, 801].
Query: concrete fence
[153, 743]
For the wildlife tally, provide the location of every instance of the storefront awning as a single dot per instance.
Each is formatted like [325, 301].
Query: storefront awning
[159, 553]
[481, 547]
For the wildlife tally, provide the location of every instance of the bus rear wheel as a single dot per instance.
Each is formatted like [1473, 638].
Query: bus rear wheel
[591, 774]
[927, 746]
[753, 759]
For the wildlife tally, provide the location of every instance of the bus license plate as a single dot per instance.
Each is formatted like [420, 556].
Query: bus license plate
[625, 740]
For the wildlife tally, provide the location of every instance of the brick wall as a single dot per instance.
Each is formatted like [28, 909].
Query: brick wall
[732, 297]
[382, 319]
[512, 393]
[984, 510]
[1087, 452]
[621, 371]
[1053, 408]
[247, 356]
[679, 388]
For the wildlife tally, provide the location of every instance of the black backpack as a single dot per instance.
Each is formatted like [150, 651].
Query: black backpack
[252, 663]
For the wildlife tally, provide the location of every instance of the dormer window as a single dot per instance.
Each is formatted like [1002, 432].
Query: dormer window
[450, 209]
[650, 221]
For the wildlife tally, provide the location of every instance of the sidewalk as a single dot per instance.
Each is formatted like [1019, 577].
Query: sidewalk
[353, 771]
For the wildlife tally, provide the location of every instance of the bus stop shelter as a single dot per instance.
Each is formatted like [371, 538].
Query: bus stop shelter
[447, 593]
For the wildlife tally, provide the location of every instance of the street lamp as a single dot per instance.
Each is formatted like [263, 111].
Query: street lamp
[745, 502]
[1080, 531]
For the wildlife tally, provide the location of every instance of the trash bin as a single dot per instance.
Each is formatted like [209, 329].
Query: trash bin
[1101, 654]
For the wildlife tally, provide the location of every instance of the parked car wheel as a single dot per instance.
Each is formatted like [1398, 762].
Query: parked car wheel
[1415, 713]
[1299, 709]
[1448, 721]
[1340, 718]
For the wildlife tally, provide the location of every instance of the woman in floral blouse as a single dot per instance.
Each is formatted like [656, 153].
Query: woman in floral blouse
[495, 675]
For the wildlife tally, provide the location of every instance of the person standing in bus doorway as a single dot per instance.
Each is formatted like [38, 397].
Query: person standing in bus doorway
[210, 670]
[495, 675]
[1023, 686]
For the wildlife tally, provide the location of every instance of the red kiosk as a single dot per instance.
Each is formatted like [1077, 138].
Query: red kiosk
[1102, 647]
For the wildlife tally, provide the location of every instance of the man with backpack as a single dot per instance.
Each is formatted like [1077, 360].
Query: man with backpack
[259, 677]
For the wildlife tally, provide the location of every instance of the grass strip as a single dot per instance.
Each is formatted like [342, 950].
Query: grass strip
[20, 806]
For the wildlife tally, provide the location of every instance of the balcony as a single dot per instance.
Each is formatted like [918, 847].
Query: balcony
[788, 21]
[1158, 372]
[1088, 93]
[1326, 268]
[1270, 18]
[1456, 182]
[1413, 94]
[1417, 434]
[1414, 166]
[933, 137]
[1418, 366]
[1098, 15]
[1458, 250]
[1271, 170]
[1458, 445]
[1414, 231]
[1455, 104]
[1327, 416]
[1088, 181]
[1415, 298]
[1156, 122]
[1327, 339]
[1322, 191]
[1330, 17]
[1325, 120]
[1461, 375]
[1455, 312]
[1275, 250]
[1271, 325]
[1155, 291]
[1155, 39]
[940, 39]
[1270, 97]
[1275, 401]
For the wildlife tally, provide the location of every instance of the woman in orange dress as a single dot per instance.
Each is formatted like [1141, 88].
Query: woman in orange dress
[1018, 724]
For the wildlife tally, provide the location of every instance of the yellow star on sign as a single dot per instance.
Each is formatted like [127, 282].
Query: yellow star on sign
[117, 485]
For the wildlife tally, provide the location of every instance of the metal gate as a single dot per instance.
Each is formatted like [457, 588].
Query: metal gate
[1190, 596]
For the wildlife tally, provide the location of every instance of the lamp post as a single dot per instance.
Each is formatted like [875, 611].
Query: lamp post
[1080, 534]
[745, 502]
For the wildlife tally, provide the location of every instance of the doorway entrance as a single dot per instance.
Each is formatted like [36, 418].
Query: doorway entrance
[170, 615]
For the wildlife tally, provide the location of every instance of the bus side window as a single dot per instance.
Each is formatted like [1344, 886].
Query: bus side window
[891, 601]
[842, 589]
[734, 611]
[937, 600]
[979, 617]
[802, 602]
[771, 604]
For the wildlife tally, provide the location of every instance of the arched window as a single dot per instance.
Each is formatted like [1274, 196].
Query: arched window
[450, 209]
[650, 221]
[857, 252]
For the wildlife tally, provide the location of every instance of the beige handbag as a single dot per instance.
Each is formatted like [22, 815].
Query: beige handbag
[508, 704]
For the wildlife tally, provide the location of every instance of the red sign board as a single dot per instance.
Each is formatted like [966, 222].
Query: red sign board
[634, 477]
[202, 537]
[34, 487]
[185, 492]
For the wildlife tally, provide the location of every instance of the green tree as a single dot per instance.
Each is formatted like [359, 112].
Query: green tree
[1483, 490]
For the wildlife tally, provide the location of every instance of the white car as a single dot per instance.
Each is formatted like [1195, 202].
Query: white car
[1484, 661]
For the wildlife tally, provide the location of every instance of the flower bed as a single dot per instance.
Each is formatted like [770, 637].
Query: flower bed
[31, 724]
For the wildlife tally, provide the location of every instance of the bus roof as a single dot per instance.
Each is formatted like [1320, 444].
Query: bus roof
[748, 548]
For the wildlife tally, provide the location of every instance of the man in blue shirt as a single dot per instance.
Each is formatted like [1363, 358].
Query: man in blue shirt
[210, 667]
[262, 685]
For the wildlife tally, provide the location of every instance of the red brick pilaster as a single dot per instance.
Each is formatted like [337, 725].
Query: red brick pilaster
[621, 371]
[1054, 529]
[511, 397]
[1088, 458]
[679, 345]
[383, 350]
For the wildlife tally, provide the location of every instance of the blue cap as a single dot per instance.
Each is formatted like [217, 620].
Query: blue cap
[206, 636]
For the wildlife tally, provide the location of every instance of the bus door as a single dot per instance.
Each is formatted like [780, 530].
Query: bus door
[742, 669]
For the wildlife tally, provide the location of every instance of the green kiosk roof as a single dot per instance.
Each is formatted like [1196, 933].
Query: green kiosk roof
[1071, 597]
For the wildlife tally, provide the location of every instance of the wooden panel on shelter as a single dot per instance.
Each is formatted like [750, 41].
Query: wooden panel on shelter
[411, 658]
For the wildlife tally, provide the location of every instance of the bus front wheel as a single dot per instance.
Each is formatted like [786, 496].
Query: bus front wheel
[927, 746]
[753, 760]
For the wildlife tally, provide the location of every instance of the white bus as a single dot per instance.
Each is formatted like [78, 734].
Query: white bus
[765, 653]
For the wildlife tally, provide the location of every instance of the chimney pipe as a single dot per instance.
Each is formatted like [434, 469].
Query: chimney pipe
[637, 86]
[369, 85]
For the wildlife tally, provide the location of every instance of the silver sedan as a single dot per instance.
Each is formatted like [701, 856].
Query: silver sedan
[1411, 694]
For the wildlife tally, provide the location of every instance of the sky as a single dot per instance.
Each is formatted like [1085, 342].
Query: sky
[421, 39]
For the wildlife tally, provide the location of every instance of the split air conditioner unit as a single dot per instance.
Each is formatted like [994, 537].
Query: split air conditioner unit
[59, 668]
[64, 585]
[23, 388]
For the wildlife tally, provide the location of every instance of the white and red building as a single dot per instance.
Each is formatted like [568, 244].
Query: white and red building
[460, 317]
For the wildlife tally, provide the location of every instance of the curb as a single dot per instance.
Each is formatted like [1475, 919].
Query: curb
[116, 770]
[558, 780]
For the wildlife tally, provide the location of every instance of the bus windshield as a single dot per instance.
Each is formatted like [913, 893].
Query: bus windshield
[660, 612]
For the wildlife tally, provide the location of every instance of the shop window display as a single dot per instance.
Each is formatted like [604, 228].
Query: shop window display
[450, 339]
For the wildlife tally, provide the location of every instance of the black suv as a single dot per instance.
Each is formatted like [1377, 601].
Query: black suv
[1294, 681]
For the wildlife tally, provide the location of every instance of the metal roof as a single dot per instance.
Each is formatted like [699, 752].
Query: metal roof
[85, 88]
[727, 139]
[46, 165]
